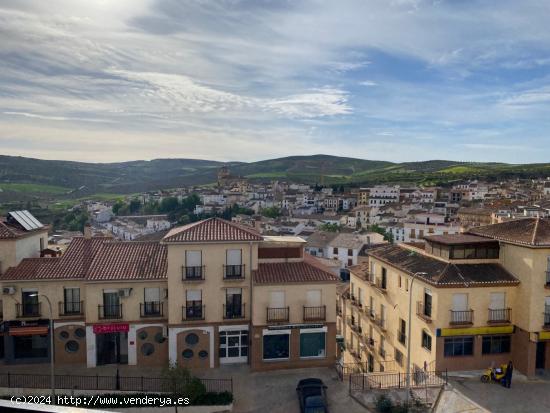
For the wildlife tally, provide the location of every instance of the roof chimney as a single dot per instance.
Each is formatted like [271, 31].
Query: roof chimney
[87, 231]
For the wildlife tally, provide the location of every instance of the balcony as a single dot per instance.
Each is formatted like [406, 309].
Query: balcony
[28, 310]
[547, 284]
[465, 317]
[193, 312]
[233, 311]
[380, 323]
[71, 308]
[382, 352]
[369, 342]
[194, 273]
[151, 309]
[500, 316]
[233, 272]
[401, 337]
[424, 312]
[381, 285]
[277, 314]
[109, 312]
[315, 313]
[339, 310]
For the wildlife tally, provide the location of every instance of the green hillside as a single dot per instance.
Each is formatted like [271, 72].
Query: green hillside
[24, 179]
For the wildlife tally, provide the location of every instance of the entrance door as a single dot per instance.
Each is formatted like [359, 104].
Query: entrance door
[112, 348]
[233, 346]
[540, 362]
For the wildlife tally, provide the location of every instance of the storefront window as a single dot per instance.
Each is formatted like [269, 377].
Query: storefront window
[71, 346]
[276, 346]
[495, 344]
[312, 344]
[459, 346]
[30, 346]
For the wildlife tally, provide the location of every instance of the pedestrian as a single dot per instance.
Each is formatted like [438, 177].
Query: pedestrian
[508, 374]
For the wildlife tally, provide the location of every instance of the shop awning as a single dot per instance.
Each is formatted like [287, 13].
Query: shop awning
[28, 331]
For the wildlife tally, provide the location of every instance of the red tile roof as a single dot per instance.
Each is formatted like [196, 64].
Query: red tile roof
[212, 230]
[527, 231]
[130, 260]
[97, 258]
[307, 271]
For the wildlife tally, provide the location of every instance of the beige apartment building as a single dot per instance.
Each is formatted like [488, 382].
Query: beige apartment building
[478, 299]
[210, 293]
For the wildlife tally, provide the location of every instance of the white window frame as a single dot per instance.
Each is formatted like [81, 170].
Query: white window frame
[287, 332]
[311, 331]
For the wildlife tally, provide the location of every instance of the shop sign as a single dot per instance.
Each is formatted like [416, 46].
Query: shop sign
[111, 328]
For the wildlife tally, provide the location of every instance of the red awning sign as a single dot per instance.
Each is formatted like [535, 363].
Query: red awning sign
[111, 328]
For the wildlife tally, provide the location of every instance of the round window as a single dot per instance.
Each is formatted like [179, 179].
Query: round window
[142, 335]
[147, 349]
[203, 354]
[64, 335]
[187, 353]
[80, 333]
[192, 339]
[159, 338]
[71, 346]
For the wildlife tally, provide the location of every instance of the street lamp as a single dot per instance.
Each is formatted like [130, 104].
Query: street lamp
[52, 375]
[414, 276]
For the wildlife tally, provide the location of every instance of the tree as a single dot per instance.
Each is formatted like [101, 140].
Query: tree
[134, 206]
[271, 212]
[328, 227]
[388, 236]
[117, 207]
[170, 204]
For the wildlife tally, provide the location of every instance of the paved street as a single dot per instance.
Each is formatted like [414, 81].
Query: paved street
[524, 396]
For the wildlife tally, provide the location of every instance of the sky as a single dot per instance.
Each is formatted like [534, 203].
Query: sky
[395, 80]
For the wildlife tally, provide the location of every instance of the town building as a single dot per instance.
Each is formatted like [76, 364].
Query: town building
[209, 293]
[478, 299]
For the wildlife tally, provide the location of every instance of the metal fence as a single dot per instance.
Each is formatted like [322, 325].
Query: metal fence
[418, 379]
[115, 383]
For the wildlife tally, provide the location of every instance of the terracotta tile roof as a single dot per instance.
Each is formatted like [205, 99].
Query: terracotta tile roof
[129, 260]
[8, 231]
[307, 271]
[96, 258]
[212, 230]
[441, 273]
[527, 231]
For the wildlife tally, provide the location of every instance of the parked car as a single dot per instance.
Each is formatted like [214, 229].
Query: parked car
[312, 396]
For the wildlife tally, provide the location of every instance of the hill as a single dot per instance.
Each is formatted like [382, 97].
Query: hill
[28, 178]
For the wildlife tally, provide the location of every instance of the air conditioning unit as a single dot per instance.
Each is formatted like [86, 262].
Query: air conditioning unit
[165, 331]
[124, 292]
[8, 290]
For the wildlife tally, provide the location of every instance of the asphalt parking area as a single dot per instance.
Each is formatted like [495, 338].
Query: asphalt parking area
[524, 396]
[275, 392]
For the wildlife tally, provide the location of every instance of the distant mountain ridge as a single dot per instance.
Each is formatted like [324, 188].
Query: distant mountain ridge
[74, 179]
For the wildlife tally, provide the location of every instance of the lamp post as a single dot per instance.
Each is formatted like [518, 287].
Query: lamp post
[52, 375]
[416, 274]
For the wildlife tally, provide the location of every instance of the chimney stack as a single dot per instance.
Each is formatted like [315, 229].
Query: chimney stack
[87, 231]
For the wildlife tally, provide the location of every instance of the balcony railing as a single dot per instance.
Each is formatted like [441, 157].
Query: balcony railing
[315, 313]
[380, 323]
[28, 310]
[192, 273]
[423, 311]
[547, 316]
[233, 272]
[356, 328]
[500, 315]
[233, 311]
[401, 337]
[71, 308]
[151, 309]
[462, 317]
[369, 341]
[547, 279]
[381, 285]
[277, 315]
[113, 311]
[193, 312]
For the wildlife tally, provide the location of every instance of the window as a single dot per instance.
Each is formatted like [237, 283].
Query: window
[234, 266]
[193, 304]
[72, 300]
[29, 299]
[427, 303]
[71, 346]
[30, 346]
[399, 282]
[459, 346]
[151, 298]
[277, 299]
[495, 344]
[276, 346]
[233, 303]
[399, 357]
[111, 304]
[312, 344]
[407, 285]
[384, 278]
[371, 306]
[426, 340]
[350, 252]
[147, 349]
[193, 264]
[313, 298]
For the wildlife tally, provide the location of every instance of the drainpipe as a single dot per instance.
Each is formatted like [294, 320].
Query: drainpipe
[250, 305]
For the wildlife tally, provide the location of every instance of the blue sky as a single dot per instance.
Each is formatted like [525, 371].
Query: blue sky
[396, 80]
